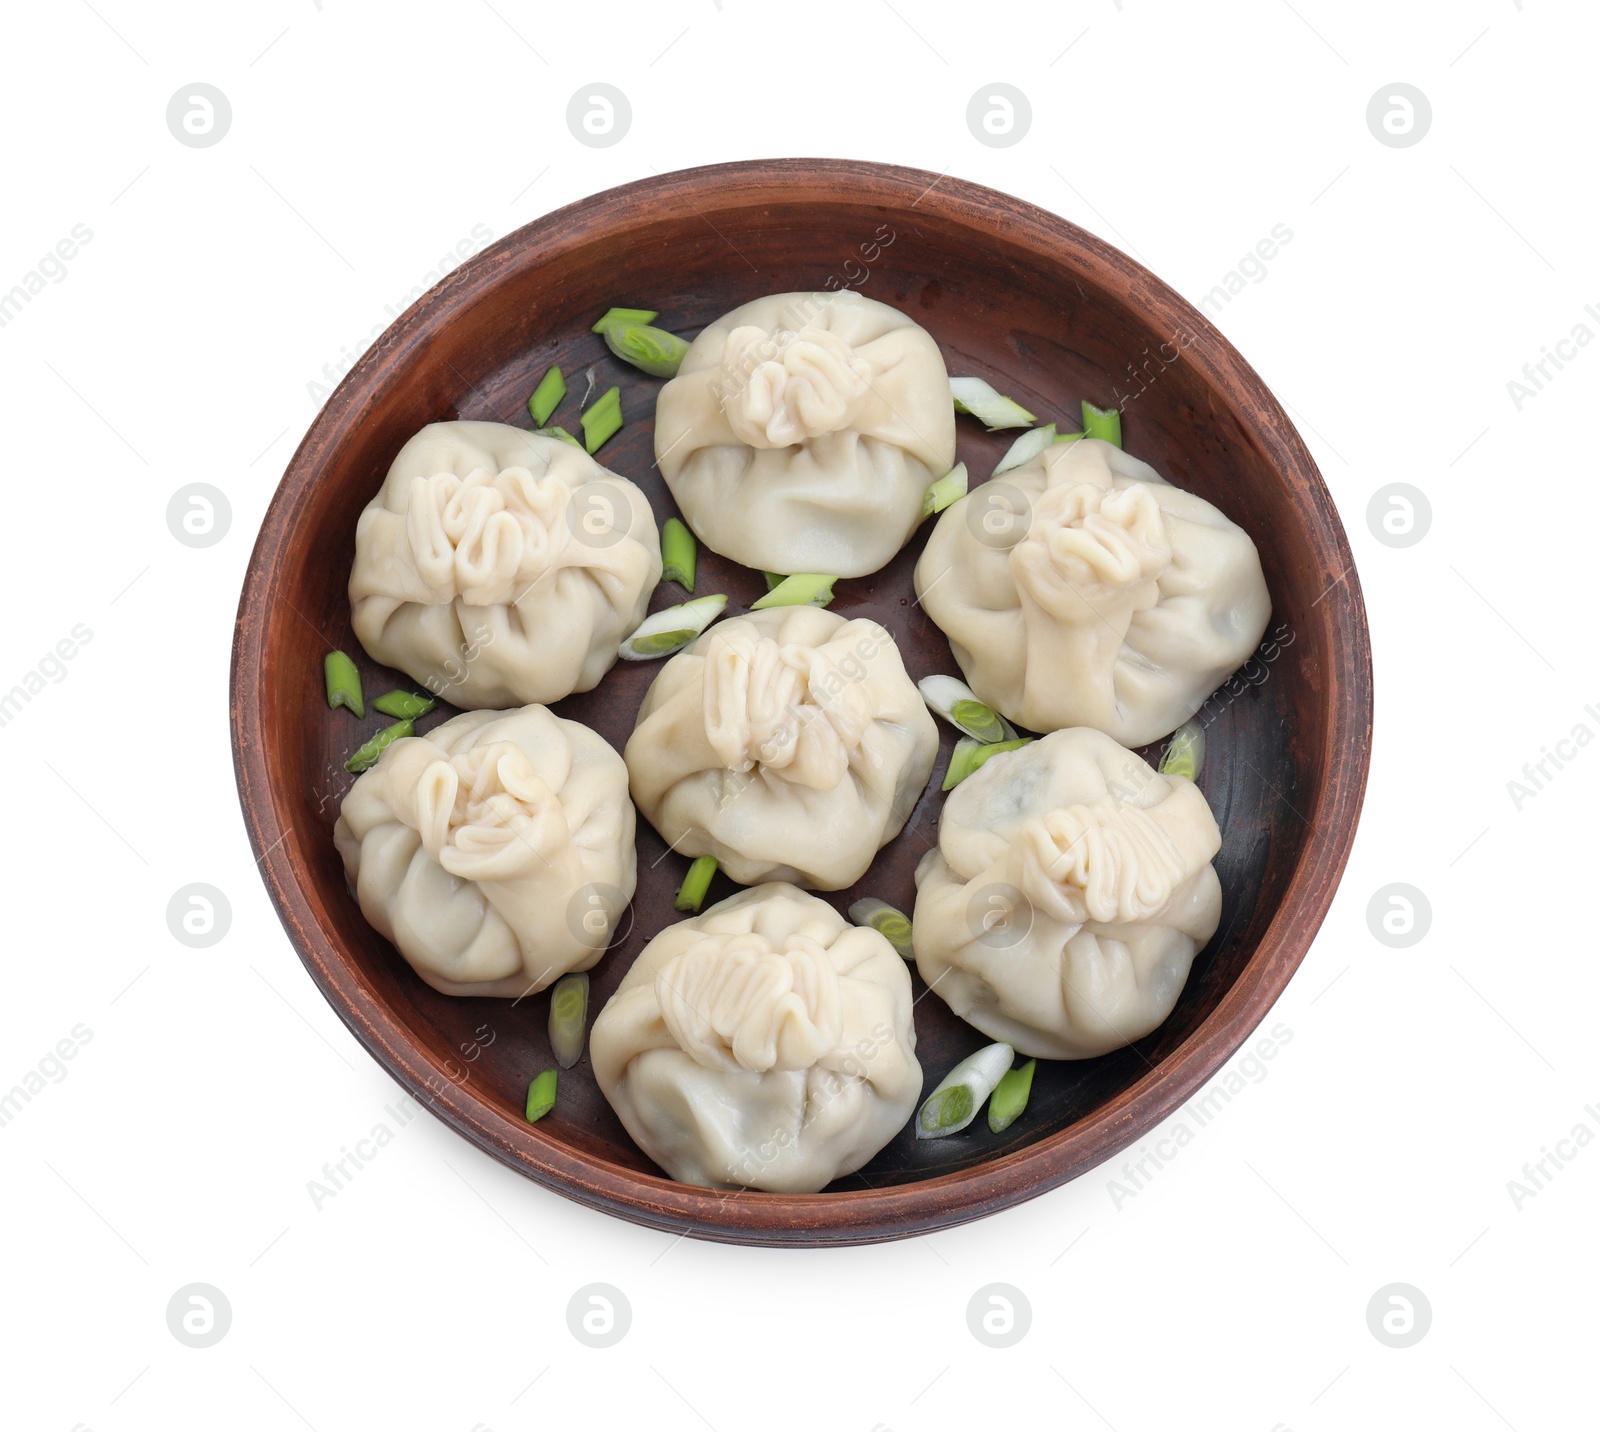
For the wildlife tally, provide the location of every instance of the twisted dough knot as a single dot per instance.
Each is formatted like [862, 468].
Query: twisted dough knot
[484, 810]
[786, 707]
[1111, 861]
[485, 537]
[1093, 552]
[733, 1002]
[786, 387]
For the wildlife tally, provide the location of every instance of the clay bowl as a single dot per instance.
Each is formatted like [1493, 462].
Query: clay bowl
[1050, 315]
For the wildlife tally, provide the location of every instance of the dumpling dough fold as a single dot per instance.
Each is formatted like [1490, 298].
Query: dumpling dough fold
[497, 567]
[788, 743]
[803, 429]
[1113, 599]
[765, 1043]
[1071, 887]
[496, 852]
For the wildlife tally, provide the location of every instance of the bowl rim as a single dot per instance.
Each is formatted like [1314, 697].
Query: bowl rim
[893, 1211]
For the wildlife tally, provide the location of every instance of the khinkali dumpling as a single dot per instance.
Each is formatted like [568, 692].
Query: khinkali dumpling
[1081, 589]
[803, 429]
[788, 743]
[1067, 896]
[497, 567]
[763, 1044]
[495, 852]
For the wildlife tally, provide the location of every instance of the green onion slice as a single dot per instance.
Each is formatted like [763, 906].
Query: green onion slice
[1069, 437]
[773, 579]
[994, 410]
[892, 924]
[368, 755]
[569, 1007]
[1185, 753]
[547, 396]
[949, 488]
[671, 629]
[602, 420]
[1102, 423]
[963, 762]
[541, 1096]
[1010, 1097]
[561, 433]
[804, 589]
[677, 554]
[1029, 445]
[959, 705]
[407, 705]
[692, 893]
[343, 682]
[624, 315]
[969, 755]
[654, 350]
[960, 1094]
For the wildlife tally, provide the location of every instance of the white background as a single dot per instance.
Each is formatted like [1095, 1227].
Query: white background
[1232, 1291]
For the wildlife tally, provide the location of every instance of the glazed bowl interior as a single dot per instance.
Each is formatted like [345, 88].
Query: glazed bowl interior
[1047, 313]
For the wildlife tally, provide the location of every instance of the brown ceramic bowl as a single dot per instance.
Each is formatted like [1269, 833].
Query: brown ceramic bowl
[1050, 315]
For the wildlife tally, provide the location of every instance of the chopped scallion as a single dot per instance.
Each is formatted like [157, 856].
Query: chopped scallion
[1185, 753]
[343, 682]
[949, 488]
[624, 315]
[963, 762]
[406, 705]
[677, 554]
[368, 755]
[773, 579]
[602, 420]
[994, 410]
[561, 433]
[569, 1008]
[541, 1096]
[671, 629]
[892, 924]
[692, 893]
[960, 1094]
[969, 755]
[804, 589]
[1010, 1097]
[1102, 423]
[547, 396]
[959, 705]
[1069, 437]
[1029, 445]
[662, 643]
[653, 350]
